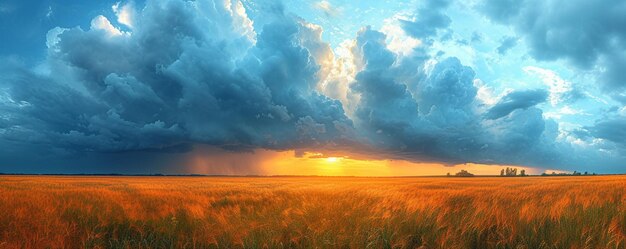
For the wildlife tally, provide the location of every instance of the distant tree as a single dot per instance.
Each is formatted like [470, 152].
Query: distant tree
[522, 173]
[464, 173]
[448, 174]
[586, 173]
[509, 172]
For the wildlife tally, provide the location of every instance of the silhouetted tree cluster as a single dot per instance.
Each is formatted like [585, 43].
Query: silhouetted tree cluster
[464, 173]
[575, 173]
[512, 172]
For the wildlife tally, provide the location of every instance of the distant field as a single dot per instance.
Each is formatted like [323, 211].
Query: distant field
[312, 212]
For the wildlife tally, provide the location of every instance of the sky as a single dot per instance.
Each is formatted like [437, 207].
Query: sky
[332, 87]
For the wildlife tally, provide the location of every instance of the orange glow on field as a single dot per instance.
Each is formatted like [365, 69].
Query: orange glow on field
[312, 212]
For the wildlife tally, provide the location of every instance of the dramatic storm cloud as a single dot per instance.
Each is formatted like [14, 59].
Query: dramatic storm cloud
[140, 86]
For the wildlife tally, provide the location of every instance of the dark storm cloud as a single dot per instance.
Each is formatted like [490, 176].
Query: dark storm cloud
[432, 113]
[612, 129]
[191, 74]
[608, 134]
[516, 100]
[589, 34]
[179, 79]
[440, 119]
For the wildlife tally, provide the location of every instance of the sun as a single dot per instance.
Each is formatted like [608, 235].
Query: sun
[332, 159]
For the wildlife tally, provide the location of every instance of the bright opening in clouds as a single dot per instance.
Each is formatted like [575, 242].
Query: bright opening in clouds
[375, 87]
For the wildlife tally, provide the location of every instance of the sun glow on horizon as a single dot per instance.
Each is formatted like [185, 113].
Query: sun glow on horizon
[267, 162]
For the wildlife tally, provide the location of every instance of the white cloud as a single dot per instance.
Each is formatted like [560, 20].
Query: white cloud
[50, 12]
[566, 110]
[558, 87]
[240, 19]
[397, 40]
[124, 14]
[327, 8]
[102, 23]
[569, 111]
[341, 73]
[485, 93]
[596, 98]
[52, 37]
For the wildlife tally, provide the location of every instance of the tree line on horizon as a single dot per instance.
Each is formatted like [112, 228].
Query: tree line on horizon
[512, 172]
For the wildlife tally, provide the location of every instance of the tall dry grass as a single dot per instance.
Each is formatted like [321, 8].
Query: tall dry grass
[312, 212]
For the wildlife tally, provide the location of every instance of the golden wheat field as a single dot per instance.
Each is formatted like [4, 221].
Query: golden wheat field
[312, 212]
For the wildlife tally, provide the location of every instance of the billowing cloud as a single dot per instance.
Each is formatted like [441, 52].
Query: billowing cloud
[588, 34]
[183, 75]
[125, 13]
[441, 120]
[176, 81]
[102, 23]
